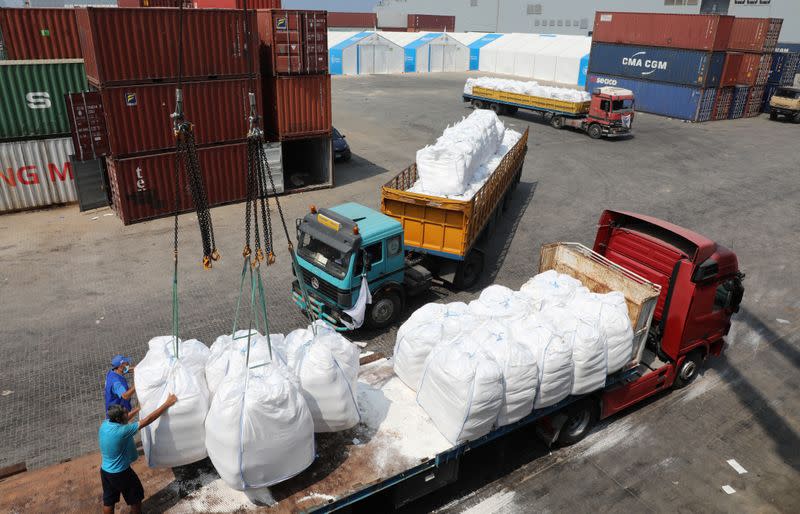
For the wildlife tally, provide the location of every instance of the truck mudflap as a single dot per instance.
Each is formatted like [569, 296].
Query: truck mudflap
[319, 309]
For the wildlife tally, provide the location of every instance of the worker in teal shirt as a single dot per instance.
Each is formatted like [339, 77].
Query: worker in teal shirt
[118, 452]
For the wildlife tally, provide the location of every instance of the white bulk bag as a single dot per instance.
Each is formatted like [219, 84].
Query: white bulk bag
[461, 390]
[177, 437]
[550, 288]
[499, 303]
[588, 348]
[220, 354]
[519, 366]
[554, 358]
[259, 430]
[327, 367]
[609, 312]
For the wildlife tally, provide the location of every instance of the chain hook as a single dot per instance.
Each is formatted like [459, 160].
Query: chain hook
[207, 262]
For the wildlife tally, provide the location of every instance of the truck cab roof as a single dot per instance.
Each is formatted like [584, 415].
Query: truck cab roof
[372, 225]
[613, 91]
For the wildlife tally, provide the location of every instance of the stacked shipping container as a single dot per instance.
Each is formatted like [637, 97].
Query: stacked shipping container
[785, 66]
[676, 64]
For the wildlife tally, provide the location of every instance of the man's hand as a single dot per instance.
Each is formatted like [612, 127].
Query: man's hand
[171, 399]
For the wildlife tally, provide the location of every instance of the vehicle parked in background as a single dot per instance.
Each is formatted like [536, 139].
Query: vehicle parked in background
[785, 102]
[341, 150]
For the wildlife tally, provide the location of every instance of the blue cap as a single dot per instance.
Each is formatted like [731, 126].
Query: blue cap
[119, 359]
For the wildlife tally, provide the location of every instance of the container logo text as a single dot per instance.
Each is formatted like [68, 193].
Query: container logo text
[29, 175]
[635, 61]
[38, 100]
[280, 23]
[608, 82]
[140, 185]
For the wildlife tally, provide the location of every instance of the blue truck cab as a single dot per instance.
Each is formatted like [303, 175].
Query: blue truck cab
[337, 247]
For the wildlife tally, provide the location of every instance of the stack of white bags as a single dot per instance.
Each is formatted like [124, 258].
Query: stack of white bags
[530, 88]
[508, 352]
[464, 156]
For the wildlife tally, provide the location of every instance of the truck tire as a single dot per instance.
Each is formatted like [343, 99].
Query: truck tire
[477, 104]
[497, 108]
[688, 370]
[796, 117]
[469, 270]
[557, 122]
[581, 417]
[595, 131]
[773, 115]
[384, 309]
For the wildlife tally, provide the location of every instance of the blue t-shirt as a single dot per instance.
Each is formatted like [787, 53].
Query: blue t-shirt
[116, 445]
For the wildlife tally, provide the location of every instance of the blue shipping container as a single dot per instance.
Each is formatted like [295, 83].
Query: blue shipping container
[673, 100]
[784, 67]
[739, 102]
[687, 67]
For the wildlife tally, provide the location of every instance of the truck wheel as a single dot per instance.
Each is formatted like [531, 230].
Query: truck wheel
[688, 370]
[557, 122]
[797, 117]
[496, 108]
[581, 417]
[384, 309]
[773, 115]
[594, 131]
[469, 270]
[477, 104]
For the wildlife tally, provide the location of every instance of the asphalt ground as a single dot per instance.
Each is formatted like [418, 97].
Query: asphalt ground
[78, 288]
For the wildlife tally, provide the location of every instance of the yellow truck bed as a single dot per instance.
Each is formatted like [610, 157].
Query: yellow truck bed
[444, 227]
[536, 102]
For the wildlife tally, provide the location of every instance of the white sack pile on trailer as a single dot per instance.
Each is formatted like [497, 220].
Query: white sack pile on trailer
[425, 328]
[461, 390]
[177, 437]
[259, 430]
[609, 313]
[500, 303]
[529, 87]
[550, 288]
[553, 357]
[231, 353]
[327, 366]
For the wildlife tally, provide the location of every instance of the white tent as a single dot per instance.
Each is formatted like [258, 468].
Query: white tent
[353, 53]
[416, 48]
[546, 57]
[450, 51]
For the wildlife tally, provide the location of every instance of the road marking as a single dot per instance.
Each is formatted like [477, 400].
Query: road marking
[728, 489]
[738, 467]
[782, 321]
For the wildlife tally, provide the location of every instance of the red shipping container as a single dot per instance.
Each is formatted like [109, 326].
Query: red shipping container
[431, 22]
[143, 188]
[87, 123]
[753, 69]
[722, 104]
[691, 31]
[293, 42]
[297, 107]
[39, 34]
[730, 73]
[237, 4]
[755, 34]
[754, 100]
[135, 46]
[356, 20]
[153, 3]
[138, 117]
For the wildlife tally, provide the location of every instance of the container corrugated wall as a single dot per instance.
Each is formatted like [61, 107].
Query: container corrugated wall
[143, 188]
[293, 42]
[362, 20]
[783, 68]
[36, 174]
[739, 101]
[153, 3]
[298, 106]
[755, 34]
[690, 31]
[146, 50]
[673, 100]
[32, 96]
[431, 22]
[722, 105]
[754, 100]
[677, 66]
[32, 33]
[236, 4]
[138, 117]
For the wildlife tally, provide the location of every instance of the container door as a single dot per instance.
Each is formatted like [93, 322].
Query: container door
[87, 124]
[91, 183]
[366, 59]
[437, 58]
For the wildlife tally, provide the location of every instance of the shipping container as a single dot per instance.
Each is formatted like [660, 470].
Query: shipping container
[708, 32]
[673, 100]
[764, 65]
[431, 22]
[31, 33]
[707, 104]
[307, 164]
[352, 20]
[143, 188]
[36, 174]
[215, 45]
[753, 69]
[738, 102]
[32, 96]
[138, 117]
[755, 34]
[154, 3]
[87, 123]
[297, 106]
[754, 100]
[237, 4]
[677, 66]
[293, 42]
[730, 72]
[769, 90]
[722, 105]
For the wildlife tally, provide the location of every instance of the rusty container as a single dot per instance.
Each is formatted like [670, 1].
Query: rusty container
[138, 116]
[730, 72]
[755, 99]
[352, 20]
[690, 31]
[722, 104]
[154, 3]
[143, 188]
[293, 42]
[297, 106]
[431, 22]
[138, 46]
[237, 4]
[755, 34]
[30, 33]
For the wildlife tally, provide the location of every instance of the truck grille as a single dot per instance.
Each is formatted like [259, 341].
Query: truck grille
[325, 288]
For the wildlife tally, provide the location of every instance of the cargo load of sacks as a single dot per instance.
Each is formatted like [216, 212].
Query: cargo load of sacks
[527, 87]
[464, 156]
[509, 352]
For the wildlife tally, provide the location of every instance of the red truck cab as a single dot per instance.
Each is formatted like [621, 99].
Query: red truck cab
[612, 107]
[701, 288]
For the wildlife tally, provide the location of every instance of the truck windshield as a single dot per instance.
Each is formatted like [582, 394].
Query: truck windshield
[622, 105]
[787, 93]
[323, 256]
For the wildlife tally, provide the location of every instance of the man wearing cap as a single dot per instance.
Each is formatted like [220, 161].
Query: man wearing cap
[117, 391]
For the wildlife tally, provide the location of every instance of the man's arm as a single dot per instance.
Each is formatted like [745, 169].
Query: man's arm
[132, 414]
[171, 399]
[127, 394]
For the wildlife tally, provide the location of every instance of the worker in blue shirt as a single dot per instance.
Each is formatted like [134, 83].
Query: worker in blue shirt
[118, 451]
[117, 391]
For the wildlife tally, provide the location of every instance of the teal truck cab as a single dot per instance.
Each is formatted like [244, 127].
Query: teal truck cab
[337, 247]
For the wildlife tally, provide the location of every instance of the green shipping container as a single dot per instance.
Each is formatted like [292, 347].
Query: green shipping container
[32, 96]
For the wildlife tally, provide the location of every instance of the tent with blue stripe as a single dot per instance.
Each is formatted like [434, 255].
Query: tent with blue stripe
[367, 52]
[416, 48]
